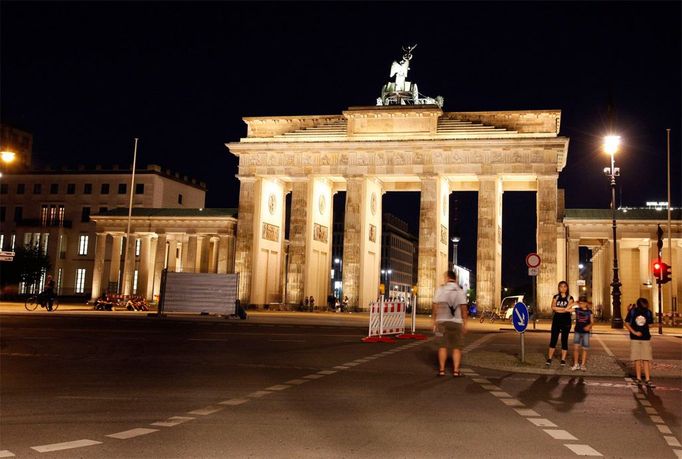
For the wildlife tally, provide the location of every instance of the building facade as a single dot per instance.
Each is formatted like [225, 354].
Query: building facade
[52, 209]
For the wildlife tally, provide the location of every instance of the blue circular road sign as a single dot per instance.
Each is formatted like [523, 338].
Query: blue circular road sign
[520, 317]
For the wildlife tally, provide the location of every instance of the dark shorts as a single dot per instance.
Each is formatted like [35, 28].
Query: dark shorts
[449, 335]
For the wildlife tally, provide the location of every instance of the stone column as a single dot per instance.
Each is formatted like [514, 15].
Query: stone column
[213, 260]
[129, 265]
[597, 278]
[172, 254]
[98, 269]
[162, 251]
[607, 276]
[489, 243]
[297, 242]
[573, 269]
[351, 240]
[644, 267]
[189, 264]
[204, 254]
[115, 268]
[433, 238]
[546, 240]
[223, 248]
[245, 235]
[144, 281]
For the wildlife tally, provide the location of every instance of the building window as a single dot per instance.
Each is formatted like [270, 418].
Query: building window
[37, 188]
[138, 247]
[87, 188]
[2, 242]
[104, 189]
[139, 188]
[59, 281]
[80, 280]
[102, 210]
[4, 188]
[3, 211]
[71, 188]
[18, 214]
[21, 188]
[85, 215]
[12, 242]
[83, 244]
[44, 238]
[179, 199]
[54, 188]
[135, 278]
[121, 188]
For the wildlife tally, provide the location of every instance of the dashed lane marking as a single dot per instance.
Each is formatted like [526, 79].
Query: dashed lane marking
[259, 394]
[206, 411]
[297, 381]
[278, 387]
[341, 367]
[542, 422]
[313, 376]
[351, 364]
[650, 410]
[559, 434]
[65, 445]
[656, 419]
[490, 387]
[478, 342]
[663, 429]
[678, 452]
[511, 402]
[480, 380]
[500, 394]
[234, 402]
[645, 402]
[526, 412]
[172, 421]
[582, 450]
[132, 433]
[672, 441]
[6, 453]
[327, 372]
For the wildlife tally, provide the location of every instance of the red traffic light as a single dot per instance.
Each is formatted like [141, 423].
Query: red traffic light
[657, 269]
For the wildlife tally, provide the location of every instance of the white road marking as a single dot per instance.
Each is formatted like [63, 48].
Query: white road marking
[480, 380]
[467, 370]
[327, 372]
[132, 433]
[657, 419]
[6, 453]
[542, 422]
[559, 434]
[663, 429]
[259, 394]
[672, 441]
[645, 402]
[500, 394]
[341, 367]
[297, 381]
[650, 410]
[478, 342]
[511, 402]
[314, 376]
[640, 396]
[278, 387]
[582, 450]
[603, 344]
[490, 387]
[172, 421]
[678, 452]
[65, 445]
[233, 402]
[206, 411]
[351, 364]
[526, 412]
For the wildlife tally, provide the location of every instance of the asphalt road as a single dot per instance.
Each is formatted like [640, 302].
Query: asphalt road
[142, 387]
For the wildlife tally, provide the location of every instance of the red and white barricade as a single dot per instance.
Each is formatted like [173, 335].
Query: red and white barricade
[385, 318]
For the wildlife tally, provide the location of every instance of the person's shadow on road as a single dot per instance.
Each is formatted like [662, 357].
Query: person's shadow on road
[572, 393]
[540, 390]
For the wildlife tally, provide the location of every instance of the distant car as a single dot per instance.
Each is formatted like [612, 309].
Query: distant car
[507, 305]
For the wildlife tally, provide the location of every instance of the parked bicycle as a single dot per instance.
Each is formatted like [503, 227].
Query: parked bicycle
[33, 301]
[490, 315]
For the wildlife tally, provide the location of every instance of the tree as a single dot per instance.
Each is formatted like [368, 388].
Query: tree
[28, 266]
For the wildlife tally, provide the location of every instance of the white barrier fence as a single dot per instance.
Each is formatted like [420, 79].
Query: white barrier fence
[385, 318]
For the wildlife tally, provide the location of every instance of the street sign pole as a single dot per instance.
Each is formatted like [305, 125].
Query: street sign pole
[535, 301]
[523, 347]
[520, 322]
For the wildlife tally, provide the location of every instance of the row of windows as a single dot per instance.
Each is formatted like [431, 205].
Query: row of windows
[71, 188]
[38, 238]
[50, 214]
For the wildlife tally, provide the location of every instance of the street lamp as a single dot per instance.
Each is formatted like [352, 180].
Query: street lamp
[581, 266]
[8, 156]
[611, 146]
[454, 240]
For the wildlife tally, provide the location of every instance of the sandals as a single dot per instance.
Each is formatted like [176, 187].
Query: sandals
[457, 374]
[441, 373]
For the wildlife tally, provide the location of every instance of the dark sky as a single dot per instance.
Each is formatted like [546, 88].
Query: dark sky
[87, 78]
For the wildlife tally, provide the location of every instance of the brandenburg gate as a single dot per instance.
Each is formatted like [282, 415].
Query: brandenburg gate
[404, 143]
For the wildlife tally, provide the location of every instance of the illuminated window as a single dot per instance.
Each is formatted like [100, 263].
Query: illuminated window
[135, 277]
[83, 244]
[138, 247]
[2, 242]
[80, 280]
[12, 242]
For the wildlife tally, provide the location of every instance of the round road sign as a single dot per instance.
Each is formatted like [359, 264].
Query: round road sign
[533, 260]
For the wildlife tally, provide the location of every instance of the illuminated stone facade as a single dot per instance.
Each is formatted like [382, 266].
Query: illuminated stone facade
[367, 151]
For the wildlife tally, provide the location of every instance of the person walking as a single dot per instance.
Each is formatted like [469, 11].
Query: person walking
[584, 320]
[637, 322]
[449, 322]
[562, 304]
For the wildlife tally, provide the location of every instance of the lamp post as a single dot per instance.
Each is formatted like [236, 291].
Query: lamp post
[610, 146]
[454, 240]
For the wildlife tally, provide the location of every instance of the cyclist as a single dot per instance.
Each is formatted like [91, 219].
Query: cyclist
[46, 297]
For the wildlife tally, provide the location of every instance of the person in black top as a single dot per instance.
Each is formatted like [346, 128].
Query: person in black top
[47, 295]
[637, 322]
[562, 305]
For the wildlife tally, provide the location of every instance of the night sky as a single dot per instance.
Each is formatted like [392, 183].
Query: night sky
[87, 78]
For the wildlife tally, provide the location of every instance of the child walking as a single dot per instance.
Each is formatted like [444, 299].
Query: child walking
[637, 322]
[584, 319]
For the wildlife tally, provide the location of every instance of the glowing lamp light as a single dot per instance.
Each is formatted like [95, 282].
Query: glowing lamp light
[8, 156]
[611, 144]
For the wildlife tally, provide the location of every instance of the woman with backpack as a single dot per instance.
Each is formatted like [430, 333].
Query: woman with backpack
[637, 322]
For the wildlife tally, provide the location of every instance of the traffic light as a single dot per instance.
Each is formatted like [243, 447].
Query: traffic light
[659, 242]
[657, 270]
[666, 273]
